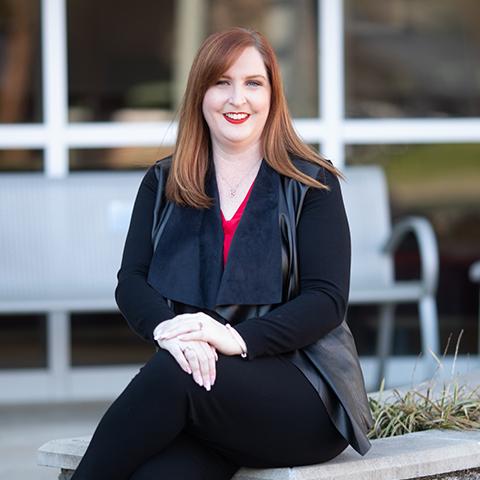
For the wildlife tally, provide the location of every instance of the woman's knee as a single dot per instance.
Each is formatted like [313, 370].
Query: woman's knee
[162, 372]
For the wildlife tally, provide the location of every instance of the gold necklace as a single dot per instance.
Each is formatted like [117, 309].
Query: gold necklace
[233, 190]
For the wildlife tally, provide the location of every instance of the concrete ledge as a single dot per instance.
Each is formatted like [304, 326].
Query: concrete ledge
[436, 454]
[408, 456]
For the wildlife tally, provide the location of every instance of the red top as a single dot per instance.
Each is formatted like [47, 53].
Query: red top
[229, 226]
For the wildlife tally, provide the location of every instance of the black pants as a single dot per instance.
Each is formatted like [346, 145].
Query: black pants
[259, 413]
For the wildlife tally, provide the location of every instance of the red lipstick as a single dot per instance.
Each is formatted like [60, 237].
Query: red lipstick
[235, 121]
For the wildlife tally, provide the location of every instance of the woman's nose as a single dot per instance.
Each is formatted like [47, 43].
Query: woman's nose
[237, 96]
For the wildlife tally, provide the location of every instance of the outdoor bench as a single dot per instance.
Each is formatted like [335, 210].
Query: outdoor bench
[411, 456]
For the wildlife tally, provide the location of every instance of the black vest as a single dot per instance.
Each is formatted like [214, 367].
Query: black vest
[187, 270]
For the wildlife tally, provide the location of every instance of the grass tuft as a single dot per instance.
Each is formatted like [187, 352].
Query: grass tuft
[453, 406]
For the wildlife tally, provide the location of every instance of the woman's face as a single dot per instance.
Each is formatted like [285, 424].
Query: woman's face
[237, 106]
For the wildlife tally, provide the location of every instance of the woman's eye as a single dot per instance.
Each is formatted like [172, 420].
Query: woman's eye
[249, 82]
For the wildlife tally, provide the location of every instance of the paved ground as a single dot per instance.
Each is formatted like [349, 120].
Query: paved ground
[25, 428]
[472, 474]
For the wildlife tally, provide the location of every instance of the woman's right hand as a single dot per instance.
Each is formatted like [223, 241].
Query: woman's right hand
[194, 356]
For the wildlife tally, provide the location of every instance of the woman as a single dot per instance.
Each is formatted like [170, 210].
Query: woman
[255, 365]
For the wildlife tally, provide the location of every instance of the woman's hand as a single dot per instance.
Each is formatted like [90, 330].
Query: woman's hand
[195, 357]
[200, 326]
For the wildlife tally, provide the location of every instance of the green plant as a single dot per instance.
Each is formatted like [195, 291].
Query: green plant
[453, 406]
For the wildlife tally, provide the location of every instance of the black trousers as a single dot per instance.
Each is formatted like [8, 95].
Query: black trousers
[259, 413]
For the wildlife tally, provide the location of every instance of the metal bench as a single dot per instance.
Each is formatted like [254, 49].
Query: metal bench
[61, 242]
[374, 242]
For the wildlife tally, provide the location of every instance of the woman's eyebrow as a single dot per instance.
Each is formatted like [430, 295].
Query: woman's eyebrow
[246, 77]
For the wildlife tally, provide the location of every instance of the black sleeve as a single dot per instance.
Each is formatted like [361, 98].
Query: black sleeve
[141, 305]
[323, 243]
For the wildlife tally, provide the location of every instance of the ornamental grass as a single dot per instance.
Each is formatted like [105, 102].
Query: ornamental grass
[452, 406]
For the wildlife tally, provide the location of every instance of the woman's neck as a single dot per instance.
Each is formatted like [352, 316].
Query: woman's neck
[233, 163]
[235, 172]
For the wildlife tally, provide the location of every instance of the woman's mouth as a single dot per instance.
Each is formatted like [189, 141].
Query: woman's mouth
[236, 118]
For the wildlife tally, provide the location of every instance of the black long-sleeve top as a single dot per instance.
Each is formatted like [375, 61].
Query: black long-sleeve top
[323, 243]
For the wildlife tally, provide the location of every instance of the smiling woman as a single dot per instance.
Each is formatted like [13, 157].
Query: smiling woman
[237, 100]
[236, 266]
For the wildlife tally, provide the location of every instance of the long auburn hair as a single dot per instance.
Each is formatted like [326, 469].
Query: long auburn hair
[186, 180]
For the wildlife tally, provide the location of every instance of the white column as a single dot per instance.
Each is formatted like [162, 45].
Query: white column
[332, 79]
[54, 45]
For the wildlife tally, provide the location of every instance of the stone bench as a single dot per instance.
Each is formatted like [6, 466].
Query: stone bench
[437, 453]
[410, 456]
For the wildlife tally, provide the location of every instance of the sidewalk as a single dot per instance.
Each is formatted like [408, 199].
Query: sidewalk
[23, 429]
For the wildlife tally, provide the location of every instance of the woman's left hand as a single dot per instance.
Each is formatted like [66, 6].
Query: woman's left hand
[200, 326]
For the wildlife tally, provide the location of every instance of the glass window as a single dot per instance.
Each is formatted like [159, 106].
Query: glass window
[20, 62]
[440, 183]
[121, 60]
[23, 341]
[409, 58]
[127, 63]
[116, 158]
[106, 339]
[21, 160]
[292, 29]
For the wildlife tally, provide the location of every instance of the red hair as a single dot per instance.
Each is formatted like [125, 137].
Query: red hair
[186, 181]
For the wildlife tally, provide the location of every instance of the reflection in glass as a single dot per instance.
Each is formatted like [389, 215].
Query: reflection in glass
[291, 27]
[23, 341]
[21, 160]
[409, 58]
[20, 67]
[121, 60]
[132, 65]
[121, 158]
[439, 182]
[106, 339]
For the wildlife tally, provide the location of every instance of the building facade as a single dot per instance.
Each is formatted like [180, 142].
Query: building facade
[88, 85]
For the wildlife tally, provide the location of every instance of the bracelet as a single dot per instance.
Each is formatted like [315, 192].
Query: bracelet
[231, 330]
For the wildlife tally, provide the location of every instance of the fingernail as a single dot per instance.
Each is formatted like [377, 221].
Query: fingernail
[207, 386]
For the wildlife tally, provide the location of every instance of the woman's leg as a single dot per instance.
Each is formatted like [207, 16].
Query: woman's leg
[262, 412]
[146, 417]
[187, 459]
[265, 414]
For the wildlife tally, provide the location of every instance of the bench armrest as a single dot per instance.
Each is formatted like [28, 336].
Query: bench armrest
[474, 272]
[427, 244]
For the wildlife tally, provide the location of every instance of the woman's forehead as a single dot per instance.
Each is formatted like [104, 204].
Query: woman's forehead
[249, 63]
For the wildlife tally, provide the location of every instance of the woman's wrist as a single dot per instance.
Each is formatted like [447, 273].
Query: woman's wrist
[239, 340]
